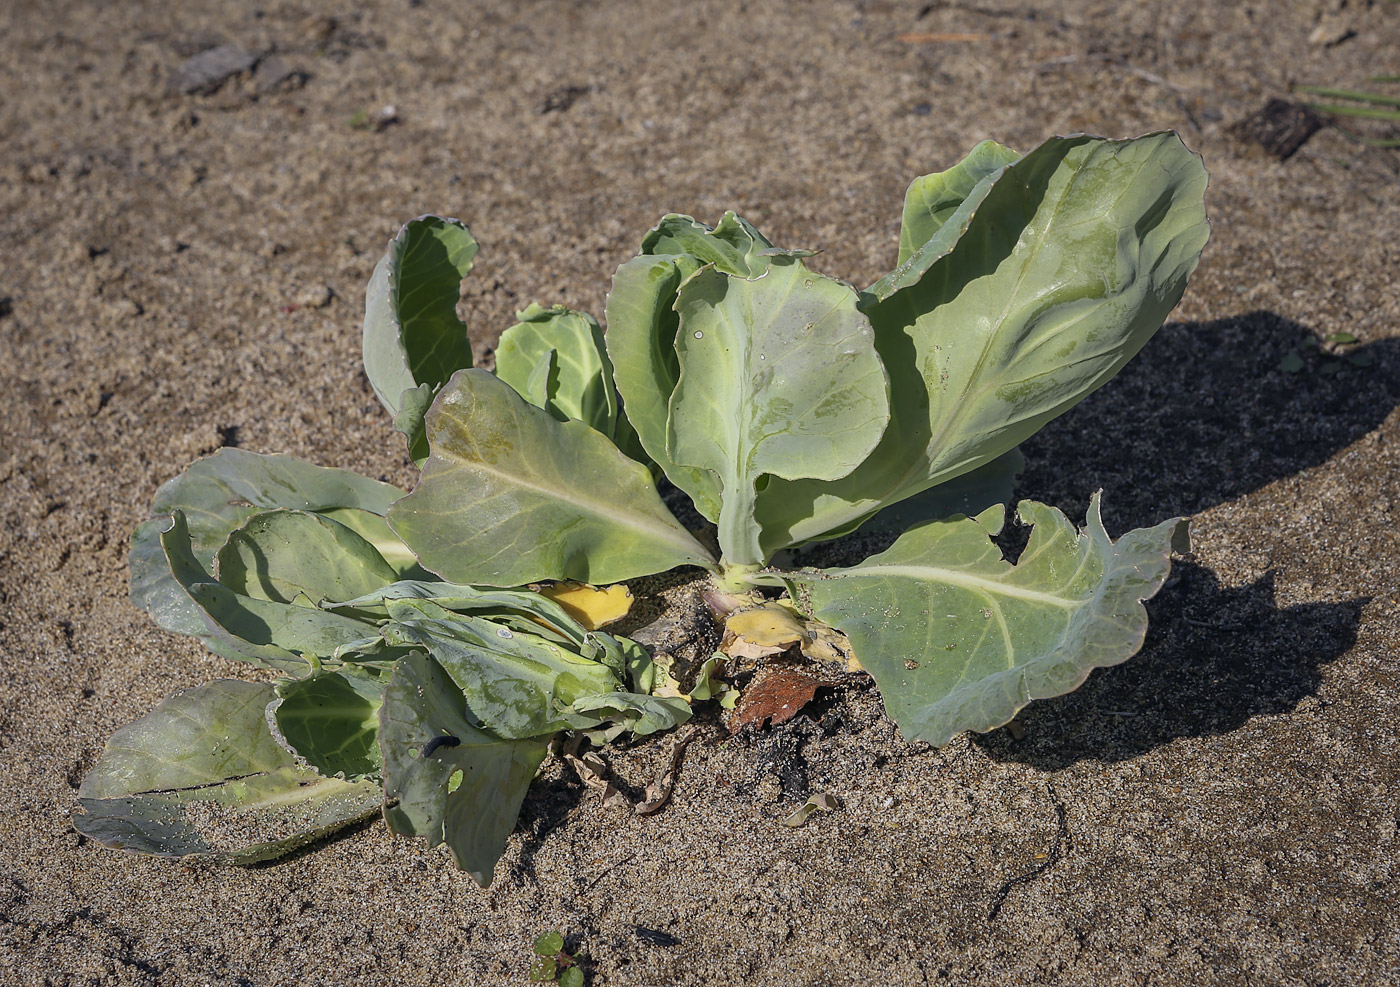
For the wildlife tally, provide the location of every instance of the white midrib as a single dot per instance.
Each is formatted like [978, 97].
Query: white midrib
[952, 577]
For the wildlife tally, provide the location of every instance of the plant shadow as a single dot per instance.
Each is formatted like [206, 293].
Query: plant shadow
[1205, 415]
[1214, 658]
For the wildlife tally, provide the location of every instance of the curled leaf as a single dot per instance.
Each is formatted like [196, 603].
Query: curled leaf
[824, 802]
[201, 775]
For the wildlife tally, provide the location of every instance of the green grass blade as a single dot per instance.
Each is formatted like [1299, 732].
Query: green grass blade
[1368, 112]
[1374, 99]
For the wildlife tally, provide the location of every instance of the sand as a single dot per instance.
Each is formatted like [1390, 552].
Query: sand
[185, 270]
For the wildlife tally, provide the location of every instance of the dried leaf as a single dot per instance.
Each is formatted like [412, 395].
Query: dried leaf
[777, 696]
[593, 773]
[823, 801]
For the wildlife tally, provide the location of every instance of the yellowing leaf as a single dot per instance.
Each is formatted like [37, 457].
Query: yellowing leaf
[591, 606]
[761, 631]
[775, 627]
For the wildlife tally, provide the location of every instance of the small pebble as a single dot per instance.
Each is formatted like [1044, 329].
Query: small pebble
[316, 296]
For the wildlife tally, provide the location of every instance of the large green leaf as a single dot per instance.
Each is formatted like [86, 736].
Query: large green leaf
[332, 722]
[413, 340]
[1074, 257]
[217, 495]
[938, 207]
[779, 376]
[265, 632]
[510, 496]
[202, 775]
[516, 684]
[959, 639]
[280, 555]
[642, 326]
[375, 529]
[446, 779]
[554, 358]
[641, 340]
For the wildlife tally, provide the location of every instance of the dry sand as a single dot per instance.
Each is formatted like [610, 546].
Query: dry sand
[1220, 810]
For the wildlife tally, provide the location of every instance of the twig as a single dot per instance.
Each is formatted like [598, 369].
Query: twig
[933, 37]
[1051, 858]
[605, 872]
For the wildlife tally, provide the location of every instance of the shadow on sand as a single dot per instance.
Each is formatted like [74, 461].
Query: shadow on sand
[1203, 416]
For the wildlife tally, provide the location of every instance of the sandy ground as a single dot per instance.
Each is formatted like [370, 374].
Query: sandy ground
[1220, 810]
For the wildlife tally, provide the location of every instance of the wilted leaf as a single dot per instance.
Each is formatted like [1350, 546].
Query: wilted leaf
[825, 802]
[517, 685]
[511, 496]
[958, 638]
[453, 782]
[760, 631]
[627, 711]
[773, 628]
[546, 616]
[202, 775]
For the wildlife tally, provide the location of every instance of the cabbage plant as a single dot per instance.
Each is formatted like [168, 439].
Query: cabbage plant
[417, 672]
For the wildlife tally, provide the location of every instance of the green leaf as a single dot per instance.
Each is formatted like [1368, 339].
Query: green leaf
[413, 340]
[1376, 99]
[642, 327]
[969, 494]
[375, 530]
[516, 684]
[332, 722]
[1075, 256]
[572, 977]
[548, 616]
[202, 775]
[217, 495]
[933, 200]
[641, 341]
[1345, 110]
[447, 780]
[629, 711]
[279, 555]
[264, 632]
[511, 496]
[733, 246]
[958, 638]
[576, 380]
[549, 944]
[778, 376]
